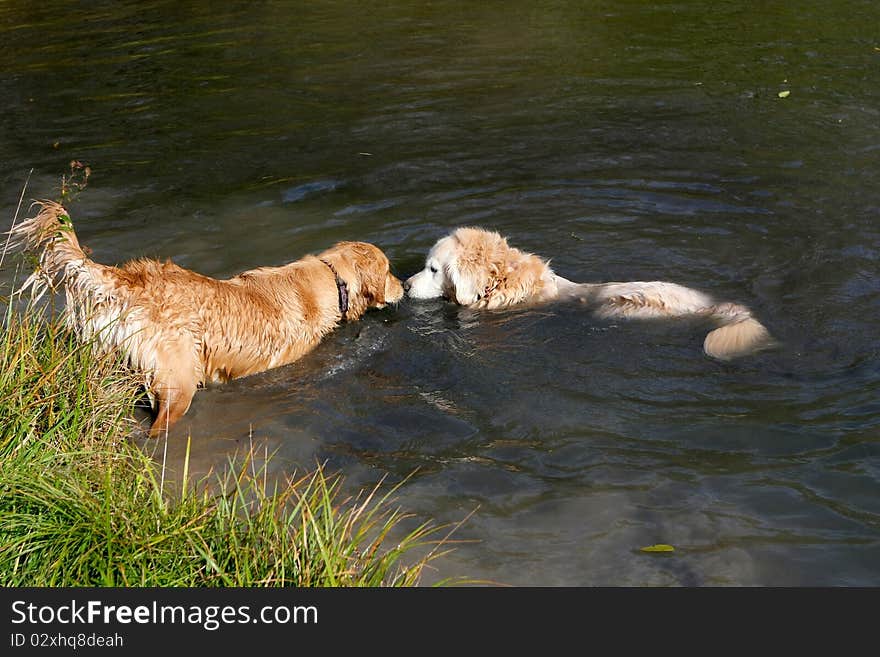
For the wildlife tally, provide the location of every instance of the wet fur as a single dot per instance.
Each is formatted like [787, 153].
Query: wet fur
[478, 268]
[183, 329]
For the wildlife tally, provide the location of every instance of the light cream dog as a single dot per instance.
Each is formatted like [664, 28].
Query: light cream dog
[182, 329]
[477, 268]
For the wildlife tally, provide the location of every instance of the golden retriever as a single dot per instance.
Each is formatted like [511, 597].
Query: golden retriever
[182, 329]
[476, 267]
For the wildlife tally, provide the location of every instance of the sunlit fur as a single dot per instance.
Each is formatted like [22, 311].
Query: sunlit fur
[477, 268]
[182, 329]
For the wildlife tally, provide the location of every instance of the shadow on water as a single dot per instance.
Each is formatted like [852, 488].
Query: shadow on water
[625, 141]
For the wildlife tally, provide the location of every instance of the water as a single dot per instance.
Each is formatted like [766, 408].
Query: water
[624, 140]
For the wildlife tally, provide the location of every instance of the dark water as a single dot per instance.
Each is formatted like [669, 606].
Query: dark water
[626, 140]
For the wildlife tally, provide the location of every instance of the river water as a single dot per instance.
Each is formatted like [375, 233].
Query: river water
[624, 140]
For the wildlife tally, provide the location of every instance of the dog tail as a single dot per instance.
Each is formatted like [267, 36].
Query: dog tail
[739, 334]
[50, 237]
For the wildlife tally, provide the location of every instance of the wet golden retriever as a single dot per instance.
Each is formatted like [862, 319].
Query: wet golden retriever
[182, 329]
[476, 267]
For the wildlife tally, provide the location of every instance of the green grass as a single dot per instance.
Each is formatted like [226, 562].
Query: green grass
[81, 505]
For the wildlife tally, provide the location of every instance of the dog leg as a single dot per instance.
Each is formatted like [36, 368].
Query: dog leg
[174, 385]
[173, 399]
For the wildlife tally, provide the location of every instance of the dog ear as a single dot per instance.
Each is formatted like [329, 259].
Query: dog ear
[372, 276]
[381, 282]
[467, 288]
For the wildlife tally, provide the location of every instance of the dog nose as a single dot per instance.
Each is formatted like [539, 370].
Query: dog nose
[406, 285]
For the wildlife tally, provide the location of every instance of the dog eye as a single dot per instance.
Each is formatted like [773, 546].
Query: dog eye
[433, 269]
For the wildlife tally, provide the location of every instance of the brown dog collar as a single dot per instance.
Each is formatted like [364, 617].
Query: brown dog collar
[342, 288]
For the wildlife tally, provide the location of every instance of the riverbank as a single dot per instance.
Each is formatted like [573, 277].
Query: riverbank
[81, 505]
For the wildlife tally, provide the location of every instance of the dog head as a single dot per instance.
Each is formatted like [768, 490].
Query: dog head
[367, 274]
[467, 267]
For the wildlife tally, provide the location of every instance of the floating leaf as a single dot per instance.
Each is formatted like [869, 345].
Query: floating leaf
[783, 94]
[659, 547]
